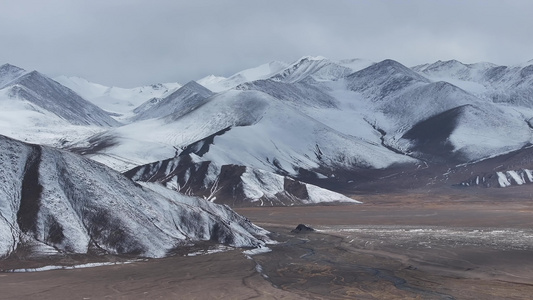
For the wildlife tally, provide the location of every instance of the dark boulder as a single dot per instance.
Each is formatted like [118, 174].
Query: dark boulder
[301, 228]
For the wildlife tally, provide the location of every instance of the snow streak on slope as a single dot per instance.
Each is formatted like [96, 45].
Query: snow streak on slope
[73, 204]
[231, 184]
[114, 99]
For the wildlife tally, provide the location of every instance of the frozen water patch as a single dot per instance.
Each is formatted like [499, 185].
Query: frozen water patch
[218, 249]
[255, 251]
[82, 266]
[506, 239]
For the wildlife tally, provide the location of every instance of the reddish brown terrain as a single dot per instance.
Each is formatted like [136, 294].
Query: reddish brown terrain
[455, 244]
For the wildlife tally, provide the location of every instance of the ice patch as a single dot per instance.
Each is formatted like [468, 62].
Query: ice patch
[255, 251]
[82, 266]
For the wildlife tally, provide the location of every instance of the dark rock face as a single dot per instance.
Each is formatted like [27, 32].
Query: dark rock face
[59, 200]
[430, 137]
[301, 228]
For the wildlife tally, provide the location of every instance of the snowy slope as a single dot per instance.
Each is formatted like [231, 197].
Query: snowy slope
[116, 100]
[299, 94]
[57, 199]
[37, 109]
[468, 133]
[249, 128]
[355, 64]
[9, 73]
[23, 120]
[440, 120]
[219, 84]
[181, 101]
[49, 95]
[317, 68]
[500, 84]
[386, 78]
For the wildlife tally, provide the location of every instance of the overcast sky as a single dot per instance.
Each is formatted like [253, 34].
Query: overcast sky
[132, 42]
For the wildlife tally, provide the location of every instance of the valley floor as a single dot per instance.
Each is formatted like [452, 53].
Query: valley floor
[395, 246]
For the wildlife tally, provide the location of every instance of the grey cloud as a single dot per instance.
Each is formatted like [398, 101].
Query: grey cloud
[129, 43]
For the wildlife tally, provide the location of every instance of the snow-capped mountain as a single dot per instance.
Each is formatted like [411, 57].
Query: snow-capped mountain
[219, 84]
[500, 84]
[57, 201]
[9, 73]
[436, 119]
[46, 94]
[180, 102]
[318, 68]
[247, 128]
[315, 119]
[37, 109]
[384, 79]
[116, 100]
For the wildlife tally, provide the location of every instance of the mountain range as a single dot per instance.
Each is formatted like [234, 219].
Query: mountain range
[144, 171]
[235, 140]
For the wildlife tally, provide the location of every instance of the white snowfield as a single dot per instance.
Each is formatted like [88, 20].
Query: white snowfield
[120, 101]
[74, 204]
[262, 130]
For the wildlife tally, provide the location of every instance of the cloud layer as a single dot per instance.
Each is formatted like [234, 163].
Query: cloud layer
[134, 42]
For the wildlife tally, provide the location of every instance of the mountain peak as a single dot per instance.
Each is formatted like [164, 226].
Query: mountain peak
[308, 57]
[10, 67]
[197, 88]
[8, 73]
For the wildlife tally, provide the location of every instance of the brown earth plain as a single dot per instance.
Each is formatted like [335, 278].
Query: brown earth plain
[449, 243]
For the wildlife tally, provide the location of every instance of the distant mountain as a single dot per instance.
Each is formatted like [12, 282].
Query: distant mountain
[318, 68]
[299, 94]
[507, 84]
[117, 100]
[219, 84]
[37, 109]
[51, 96]
[180, 102]
[383, 79]
[55, 201]
[306, 68]
[249, 128]
[436, 120]
[315, 122]
[9, 73]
